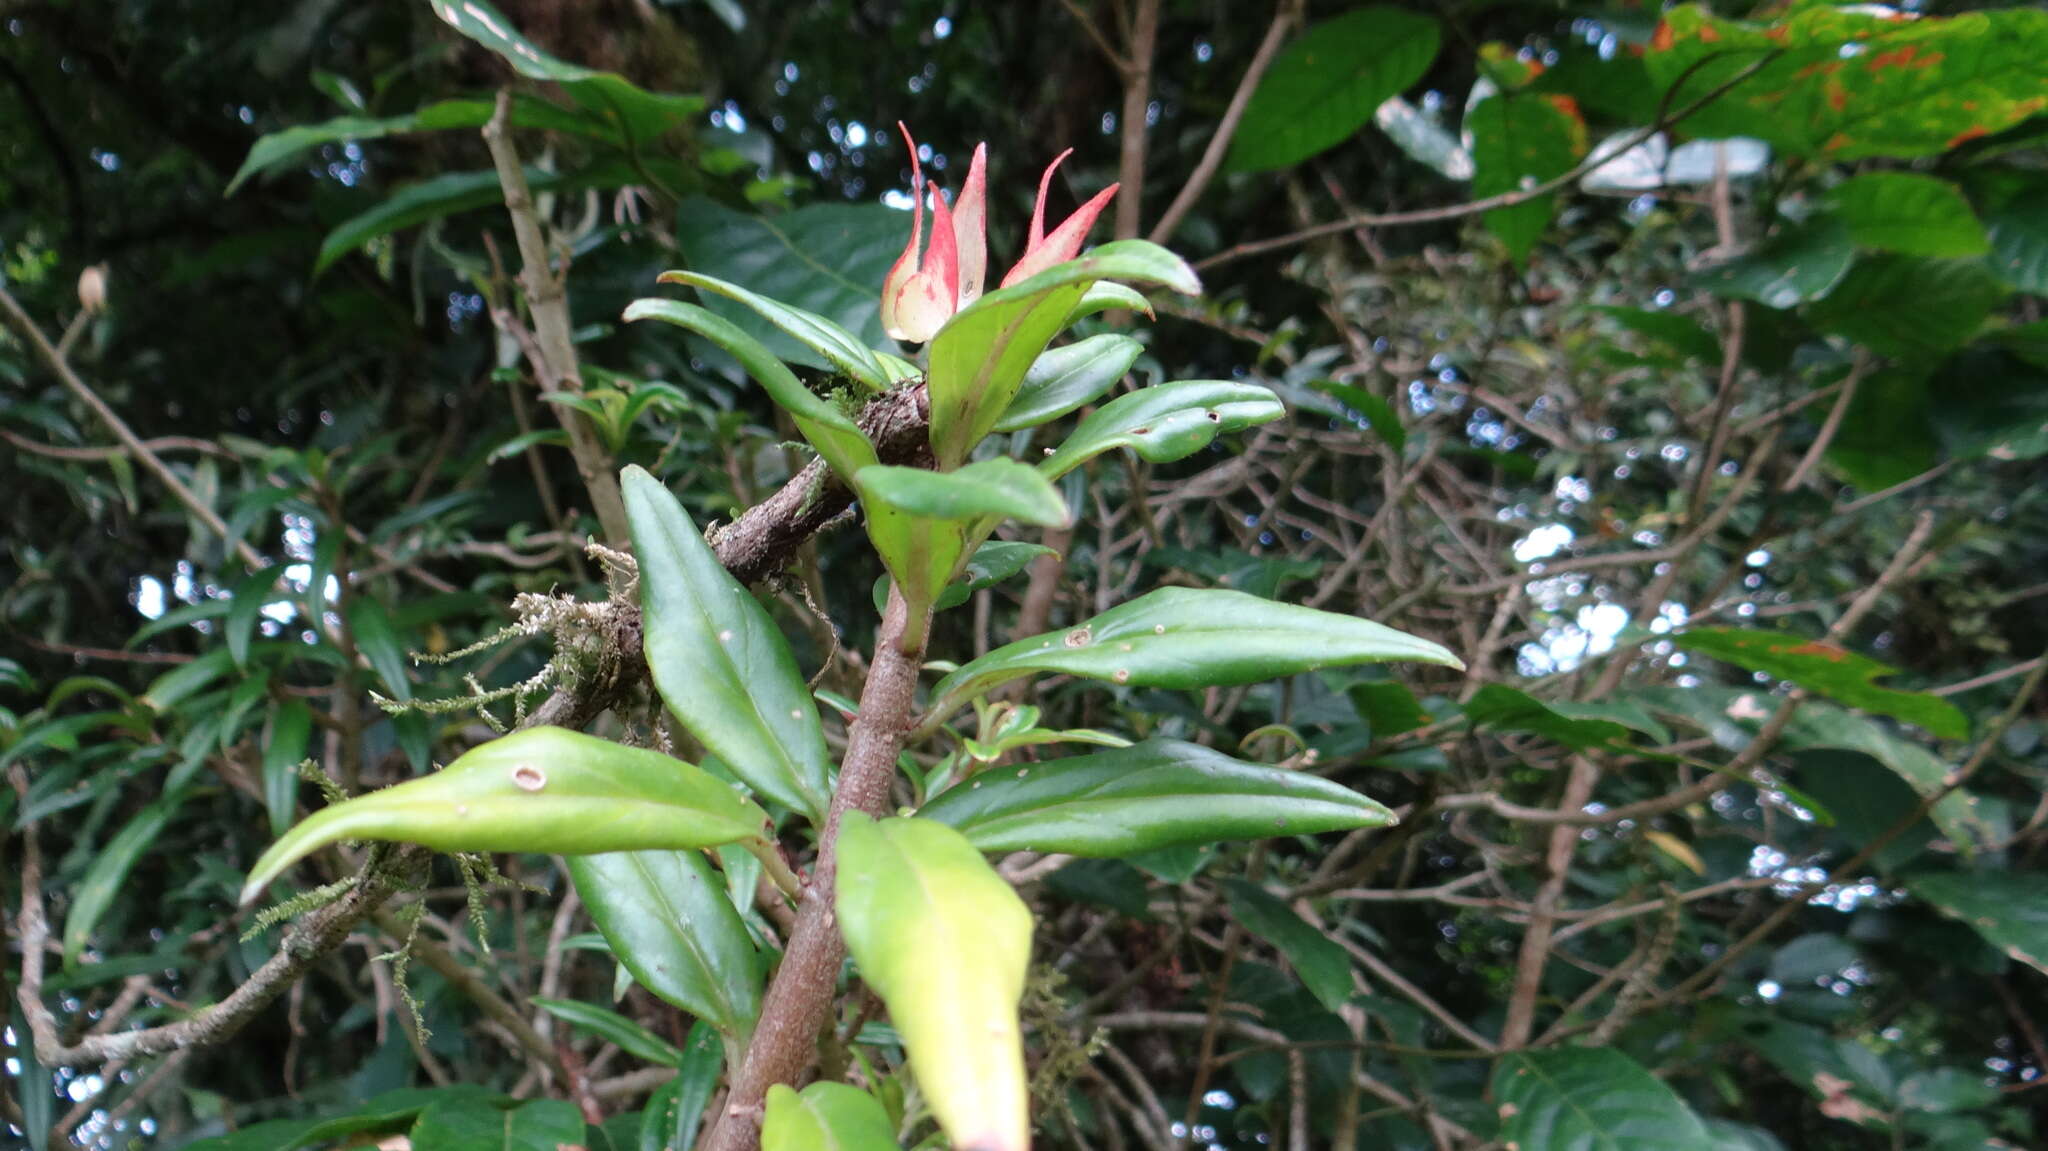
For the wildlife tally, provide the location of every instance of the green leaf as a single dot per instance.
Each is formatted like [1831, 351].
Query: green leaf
[1820, 725]
[1993, 403]
[1322, 965]
[291, 728]
[720, 664]
[1520, 140]
[611, 1026]
[1103, 297]
[979, 359]
[639, 117]
[1909, 308]
[1833, 671]
[2017, 212]
[1907, 213]
[1590, 1099]
[2009, 910]
[480, 1125]
[839, 347]
[676, 1108]
[826, 1117]
[389, 1113]
[108, 872]
[667, 917]
[280, 148]
[245, 608]
[1888, 435]
[1800, 264]
[1379, 415]
[829, 429]
[371, 626]
[432, 199]
[1156, 794]
[922, 522]
[1325, 86]
[1189, 638]
[1682, 334]
[542, 790]
[1065, 378]
[1838, 84]
[827, 259]
[945, 942]
[1509, 709]
[1166, 422]
[32, 1086]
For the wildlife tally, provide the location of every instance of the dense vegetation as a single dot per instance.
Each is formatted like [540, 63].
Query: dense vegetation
[1668, 389]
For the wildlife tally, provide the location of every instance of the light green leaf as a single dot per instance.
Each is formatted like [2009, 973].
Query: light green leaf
[1065, 378]
[1322, 965]
[829, 429]
[1166, 422]
[613, 1027]
[1326, 86]
[826, 1117]
[104, 878]
[945, 942]
[2009, 910]
[1156, 794]
[826, 337]
[1836, 672]
[979, 359]
[1590, 1099]
[543, 790]
[720, 664]
[1104, 297]
[827, 259]
[669, 921]
[1188, 638]
[1908, 213]
[639, 117]
[291, 728]
[923, 522]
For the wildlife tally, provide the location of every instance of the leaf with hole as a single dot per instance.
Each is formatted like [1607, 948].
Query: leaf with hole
[1165, 422]
[545, 789]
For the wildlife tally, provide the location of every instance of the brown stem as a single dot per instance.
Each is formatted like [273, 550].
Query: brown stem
[548, 299]
[1226, 128]
[1137, 97]
[799, 999]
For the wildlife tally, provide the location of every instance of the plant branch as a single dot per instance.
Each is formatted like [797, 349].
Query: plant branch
[1226, 128]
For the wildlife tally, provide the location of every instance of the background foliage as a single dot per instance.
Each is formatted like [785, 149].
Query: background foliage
[1718, 463]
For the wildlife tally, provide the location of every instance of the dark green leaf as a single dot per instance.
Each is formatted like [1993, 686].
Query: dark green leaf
[1509, 709]
[1322, 965]
[718, 660]
[1325, 86]
[1682, 334]
[280, 148]
[1887, 436]
[1379, 415]
[1590, 1099]
[609, 1025]
[2009, 910]
[668, 920]
[676, 1108]
[291, 728]
[478, 1125]
[245, 608]
[1188, 638]
[1160, 793]
[1913, 309]
[1833, 671]
[1800, 264]
[371, 626]
[104, 877]
[1907, 213]
[1519, 140]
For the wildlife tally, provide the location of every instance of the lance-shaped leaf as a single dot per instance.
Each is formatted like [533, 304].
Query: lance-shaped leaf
[923, 522]
[828, 429]
[1159, 793]
[1188, 638]
[840, 347]
[545, 789]
[1065, 378]
[107, 875]
[720, 664]
[978, 360]
[1103, 297]
[1165, 423]
[668, 919]
[676, 1108]
[613, 1028]
[826, 1117]
[945, 942]
[1833, 671]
